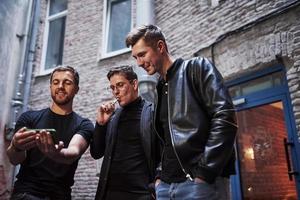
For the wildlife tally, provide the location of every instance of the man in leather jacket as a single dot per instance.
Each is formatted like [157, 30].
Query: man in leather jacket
[124, 136]
[194, 118]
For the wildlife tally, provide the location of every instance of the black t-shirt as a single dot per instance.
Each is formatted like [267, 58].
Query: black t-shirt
[40, 175]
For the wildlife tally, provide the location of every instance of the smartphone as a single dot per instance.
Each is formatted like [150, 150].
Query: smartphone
[52, 131]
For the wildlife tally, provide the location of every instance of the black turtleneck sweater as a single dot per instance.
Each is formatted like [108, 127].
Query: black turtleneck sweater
[129, 171]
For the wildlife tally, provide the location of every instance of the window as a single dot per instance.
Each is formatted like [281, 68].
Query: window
[261, 83]
[54, 35]
[117, 25]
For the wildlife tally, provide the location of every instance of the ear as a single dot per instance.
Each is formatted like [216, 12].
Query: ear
[161, 46]
[76, 89]
[135, 84]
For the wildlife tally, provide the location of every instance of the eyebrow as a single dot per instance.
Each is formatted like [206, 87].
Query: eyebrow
[122, 82]
[65, 79]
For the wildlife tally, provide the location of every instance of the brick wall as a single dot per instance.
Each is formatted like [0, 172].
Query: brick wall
[200, 24]
[190, 27]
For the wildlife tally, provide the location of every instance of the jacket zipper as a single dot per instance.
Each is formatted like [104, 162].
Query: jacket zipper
[154, 126]
[187, 175]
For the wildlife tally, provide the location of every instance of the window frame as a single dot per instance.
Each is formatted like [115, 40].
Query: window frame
[48, 19]
[105, 31]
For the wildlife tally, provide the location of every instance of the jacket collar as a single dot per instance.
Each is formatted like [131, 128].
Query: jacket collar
[172, 70]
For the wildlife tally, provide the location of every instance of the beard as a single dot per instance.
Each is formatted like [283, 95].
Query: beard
[61, 100]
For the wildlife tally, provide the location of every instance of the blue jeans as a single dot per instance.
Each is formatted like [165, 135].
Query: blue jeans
[190, 190]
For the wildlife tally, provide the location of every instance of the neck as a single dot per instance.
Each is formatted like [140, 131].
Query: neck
[61, 109]
[167, 63]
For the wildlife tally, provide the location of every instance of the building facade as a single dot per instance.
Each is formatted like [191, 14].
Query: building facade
[255, 44]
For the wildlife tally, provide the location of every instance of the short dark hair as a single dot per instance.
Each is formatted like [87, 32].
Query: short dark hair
[124, 70]
[69, 69]
[151, 34]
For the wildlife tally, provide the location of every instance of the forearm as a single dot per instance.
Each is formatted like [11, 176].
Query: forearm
[75, 149]
[67, 155]
[219, 148]
[97, 147]
[16, 156]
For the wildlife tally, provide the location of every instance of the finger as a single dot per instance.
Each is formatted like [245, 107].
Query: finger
[30, 145]
[20, 142]
[111, 107]
[38, 141]
[22, 129]
[49, 139]
[102, 108]
[59, 146]
[21, 134]
[43, 139]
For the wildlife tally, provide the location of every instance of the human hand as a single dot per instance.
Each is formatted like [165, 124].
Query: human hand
[157, 182]
[104, 112]
[23, 139]
[47, 146]
[199, 180]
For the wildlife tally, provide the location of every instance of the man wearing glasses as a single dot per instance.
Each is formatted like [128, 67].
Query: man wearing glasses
[124, 137]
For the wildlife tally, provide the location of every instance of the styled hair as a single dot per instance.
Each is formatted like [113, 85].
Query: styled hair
[69, 69]
[151, 34]
[124, 70]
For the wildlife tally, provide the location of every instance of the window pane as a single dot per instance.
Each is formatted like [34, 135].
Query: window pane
[262, 157]
[120, 23]
[57, 6]
[55, 43]
[255, 85]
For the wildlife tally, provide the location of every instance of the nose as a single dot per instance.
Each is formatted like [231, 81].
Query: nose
[60, 85]
[116, 91]
[140, 61]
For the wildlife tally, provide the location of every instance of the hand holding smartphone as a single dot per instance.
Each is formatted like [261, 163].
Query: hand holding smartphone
[50, 130]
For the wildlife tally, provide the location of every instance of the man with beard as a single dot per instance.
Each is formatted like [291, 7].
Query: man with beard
[49, 158]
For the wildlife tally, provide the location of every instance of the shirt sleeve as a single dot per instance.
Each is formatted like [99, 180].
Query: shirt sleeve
[23, 121]
[86, 129]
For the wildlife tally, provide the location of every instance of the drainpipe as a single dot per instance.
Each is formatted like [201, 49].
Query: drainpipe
[145, 15]
[145, 12]
[30, 51]
[22, 89]
[26, 60]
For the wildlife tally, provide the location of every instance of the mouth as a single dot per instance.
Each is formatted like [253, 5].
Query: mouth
[60, 93]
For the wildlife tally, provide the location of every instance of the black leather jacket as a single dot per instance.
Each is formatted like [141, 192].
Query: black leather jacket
[201, 119]
[104, 139]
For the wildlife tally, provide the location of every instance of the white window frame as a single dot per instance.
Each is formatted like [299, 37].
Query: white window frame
[64, 13]
[105, 28]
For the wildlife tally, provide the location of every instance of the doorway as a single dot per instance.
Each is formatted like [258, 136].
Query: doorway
[266, 142]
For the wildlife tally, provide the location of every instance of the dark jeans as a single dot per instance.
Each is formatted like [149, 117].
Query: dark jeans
[27, 196]
[115, 195]
[190, 190]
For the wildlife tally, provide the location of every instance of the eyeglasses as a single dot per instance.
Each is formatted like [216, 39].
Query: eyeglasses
[119, 86]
